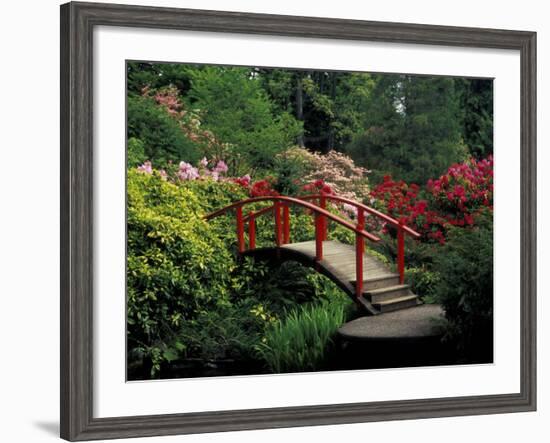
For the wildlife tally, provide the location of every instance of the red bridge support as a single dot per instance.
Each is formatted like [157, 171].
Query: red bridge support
[281, 212]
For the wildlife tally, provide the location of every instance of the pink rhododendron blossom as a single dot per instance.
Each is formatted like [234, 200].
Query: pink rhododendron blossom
[221, 167]
[146, 167]
[334, 169]
[187, 171]
[204, 162]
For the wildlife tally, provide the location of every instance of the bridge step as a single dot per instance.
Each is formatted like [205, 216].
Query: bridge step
[381, 289]
[397, 303]
[388, 293]
[378, 282]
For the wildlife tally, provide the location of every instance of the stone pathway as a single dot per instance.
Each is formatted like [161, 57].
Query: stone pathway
[412, 323]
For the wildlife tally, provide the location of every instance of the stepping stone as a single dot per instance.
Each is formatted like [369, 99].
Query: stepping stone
[412, 323]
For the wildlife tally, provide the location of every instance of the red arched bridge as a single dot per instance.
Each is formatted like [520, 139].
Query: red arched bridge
[365, 278]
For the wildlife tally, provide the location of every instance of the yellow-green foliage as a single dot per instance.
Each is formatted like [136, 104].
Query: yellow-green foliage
[189, 297]
[177, 264]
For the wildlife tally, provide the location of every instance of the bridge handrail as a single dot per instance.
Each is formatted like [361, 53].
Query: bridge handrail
[392, 221]
[282, 226]
[295, 201]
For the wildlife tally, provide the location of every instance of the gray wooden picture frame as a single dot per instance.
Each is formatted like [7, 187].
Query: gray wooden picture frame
[77, 23]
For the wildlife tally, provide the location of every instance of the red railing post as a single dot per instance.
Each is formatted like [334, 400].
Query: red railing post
[251, 231]
[278, 227]
[286, 224]
[318, 237]
[401, 252]
[324, 222]
[240, 228]
[359, 250]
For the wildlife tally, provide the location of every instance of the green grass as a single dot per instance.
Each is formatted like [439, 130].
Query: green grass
[300, 341]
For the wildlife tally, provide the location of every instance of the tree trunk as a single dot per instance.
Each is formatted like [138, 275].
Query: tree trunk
[300, 108]
[331, 135]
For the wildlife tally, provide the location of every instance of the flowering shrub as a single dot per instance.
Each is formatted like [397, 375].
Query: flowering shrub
[318, 187]
[244, 181]
[334, 170]
[189, 120]
[454, 199]
[262, 188]
[402, 202]
[186, 171]
[212, 170]
[465, 188]
[146, 167]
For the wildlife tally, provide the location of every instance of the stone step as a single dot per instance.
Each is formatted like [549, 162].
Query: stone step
[378, 282]
[388, 293]
[397, 303]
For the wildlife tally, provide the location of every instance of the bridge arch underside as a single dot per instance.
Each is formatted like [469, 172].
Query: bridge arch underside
[399, 338]
[284, 254]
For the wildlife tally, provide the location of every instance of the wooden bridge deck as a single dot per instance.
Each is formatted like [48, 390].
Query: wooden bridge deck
[381, 289]
[339, 259]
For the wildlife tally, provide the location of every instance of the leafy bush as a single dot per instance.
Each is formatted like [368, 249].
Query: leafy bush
[453, 199]
[423, 283]
[300, 341]
[236, 108]
[159, 131]
[188, 297]
[334, 169]
[177, 264]
[135, 152]
[465, 288]
[228, 332]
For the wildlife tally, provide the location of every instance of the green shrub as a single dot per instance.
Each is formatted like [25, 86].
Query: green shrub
[465, 289]
[189, 297]
[160, 133]
[177, 266]
[300, 341]
[227, 332]
[423, 283]
[136, 152]
[239, 112]
[326, 291]
[417, 254]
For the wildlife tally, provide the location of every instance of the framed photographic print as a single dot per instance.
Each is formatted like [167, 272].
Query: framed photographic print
[272, 221]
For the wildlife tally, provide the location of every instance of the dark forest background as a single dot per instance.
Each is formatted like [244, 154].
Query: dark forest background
[411, 127]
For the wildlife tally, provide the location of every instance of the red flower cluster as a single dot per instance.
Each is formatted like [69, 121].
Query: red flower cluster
[244, 181]
[262, 188]
[466, 186]
[402, 201]
[451, 200]
[318, 187]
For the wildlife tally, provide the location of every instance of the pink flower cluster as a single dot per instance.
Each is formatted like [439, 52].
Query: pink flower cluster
[188, 120]
[146, 167]
[336, 170]
[186, 171]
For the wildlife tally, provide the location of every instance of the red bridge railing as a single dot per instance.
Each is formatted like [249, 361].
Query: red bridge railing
[281, 210]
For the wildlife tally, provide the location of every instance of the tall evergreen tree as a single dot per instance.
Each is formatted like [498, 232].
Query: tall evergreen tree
[476, 103]
[412, 129]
